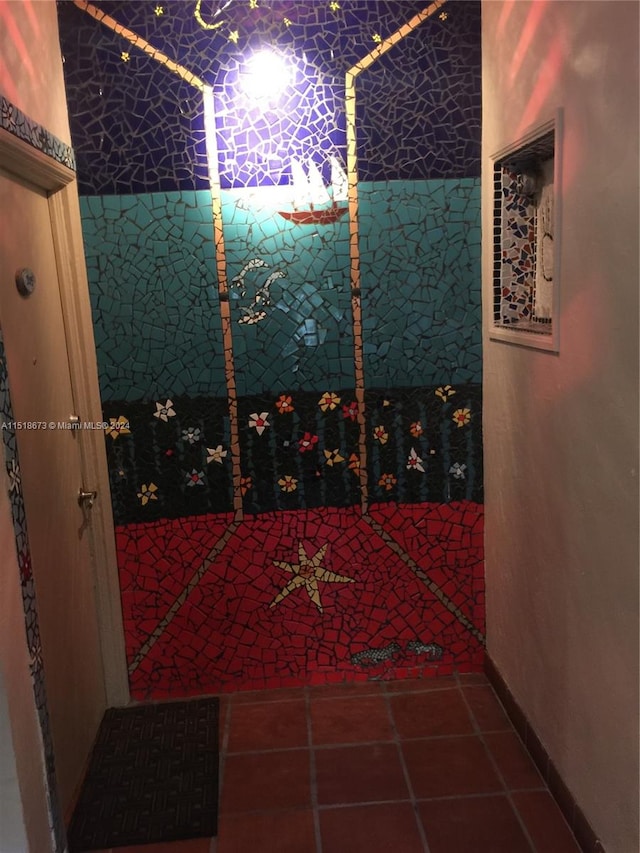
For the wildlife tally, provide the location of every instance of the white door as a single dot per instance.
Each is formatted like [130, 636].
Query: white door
[51, 470]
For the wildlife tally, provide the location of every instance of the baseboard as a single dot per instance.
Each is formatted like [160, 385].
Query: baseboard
[580, 826]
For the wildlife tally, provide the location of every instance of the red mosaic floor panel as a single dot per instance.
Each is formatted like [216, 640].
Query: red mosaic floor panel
[302, 597]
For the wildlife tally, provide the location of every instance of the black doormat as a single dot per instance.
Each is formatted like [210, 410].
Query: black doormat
[153, 776]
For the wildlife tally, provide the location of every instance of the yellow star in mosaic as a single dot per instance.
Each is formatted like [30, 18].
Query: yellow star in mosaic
[377, 38]
[234, 35]
[443, 16]
[253, 4]
[124, 56]
[159, 10]
[334, 6]
[287, 22]
[306, 573]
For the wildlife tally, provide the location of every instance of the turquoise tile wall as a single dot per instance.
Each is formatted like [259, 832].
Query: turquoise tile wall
[305, 340]
[420, 262]
[152, 280]
[153, 288]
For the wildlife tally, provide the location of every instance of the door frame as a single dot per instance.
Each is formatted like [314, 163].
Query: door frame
[59, 182]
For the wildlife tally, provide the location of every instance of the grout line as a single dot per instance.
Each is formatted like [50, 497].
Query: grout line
[262, 700]
[507, 791]
[351, 744]
[313, 780]
[405, 771]
[329, 806]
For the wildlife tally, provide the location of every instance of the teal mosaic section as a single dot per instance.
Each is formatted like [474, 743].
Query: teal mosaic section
[291, 309]
[420, 268]
[153, 288]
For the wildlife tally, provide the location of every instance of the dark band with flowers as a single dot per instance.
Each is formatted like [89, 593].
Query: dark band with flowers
[170, 458]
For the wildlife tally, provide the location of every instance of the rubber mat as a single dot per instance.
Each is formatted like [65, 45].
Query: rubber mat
[152, 777]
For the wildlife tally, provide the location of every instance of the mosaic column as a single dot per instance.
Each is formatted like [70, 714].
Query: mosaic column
[354, 232]
[223, 296]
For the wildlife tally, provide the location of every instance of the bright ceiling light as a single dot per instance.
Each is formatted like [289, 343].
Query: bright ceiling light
[266, 75]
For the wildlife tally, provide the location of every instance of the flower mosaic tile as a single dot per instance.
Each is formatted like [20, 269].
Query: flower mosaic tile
[299, 450]
[287, 332]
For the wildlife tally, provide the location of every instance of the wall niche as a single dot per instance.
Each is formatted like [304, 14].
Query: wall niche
[526, 239]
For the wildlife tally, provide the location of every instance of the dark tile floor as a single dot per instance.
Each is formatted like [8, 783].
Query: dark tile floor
[430, 766]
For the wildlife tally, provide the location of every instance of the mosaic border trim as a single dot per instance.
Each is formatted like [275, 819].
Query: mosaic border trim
[20, 125]
[27, 585]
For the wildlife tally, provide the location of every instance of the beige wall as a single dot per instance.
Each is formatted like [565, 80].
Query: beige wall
[30, 63]
[31, 78]
[561, 431]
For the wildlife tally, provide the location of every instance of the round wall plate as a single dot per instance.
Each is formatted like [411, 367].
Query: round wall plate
[25, 281]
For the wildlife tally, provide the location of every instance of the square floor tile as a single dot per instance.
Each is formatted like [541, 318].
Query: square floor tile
[359, 774]
[545, 823]
[478, 824]
[281, 694]
[268, 725]
[436, 712]
[389, 828]
[486, 709]
[269, 832]
[346, 690]
[354, 720]
[467, 679]
[514, 762]
[444, 767]
[260, 781]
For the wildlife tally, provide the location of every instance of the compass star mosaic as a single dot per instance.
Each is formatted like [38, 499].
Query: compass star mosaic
[307, 572]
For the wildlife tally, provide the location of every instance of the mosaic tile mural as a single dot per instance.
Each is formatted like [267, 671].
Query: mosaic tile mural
[285, 284]
[518, 251]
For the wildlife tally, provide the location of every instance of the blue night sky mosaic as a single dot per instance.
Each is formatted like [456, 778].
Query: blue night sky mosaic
[136, 127]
